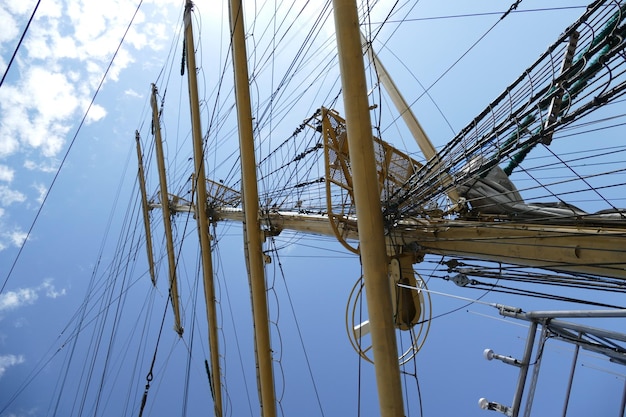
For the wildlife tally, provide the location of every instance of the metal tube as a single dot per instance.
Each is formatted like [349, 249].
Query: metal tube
[609, 334]
[523, 372]
[623, 405]
[535, 376]
[571, 379]
[576, 313]
[368, 208]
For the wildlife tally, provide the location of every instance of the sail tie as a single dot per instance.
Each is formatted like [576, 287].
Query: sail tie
[512, 8]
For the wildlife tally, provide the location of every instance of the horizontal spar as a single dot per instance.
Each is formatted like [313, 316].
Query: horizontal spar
[576, 249]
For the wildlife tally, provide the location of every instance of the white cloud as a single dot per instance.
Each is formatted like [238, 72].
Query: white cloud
[41, 191]
[36, 112]
[20, 7]
[50, 290]
[7, 361]
[6, 173]
[61, 63]
[122, 61]
[9, 26]
[64, 57]
[18, 237]
[9, 196]
[132, 93]
[96, 113]
[11, 300]
[49, 9]
[48, 166]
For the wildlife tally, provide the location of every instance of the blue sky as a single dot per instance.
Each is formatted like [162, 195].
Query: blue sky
[90, 219]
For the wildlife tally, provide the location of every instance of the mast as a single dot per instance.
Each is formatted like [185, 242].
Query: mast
[403, 108]
[167, 223]
[368, 208]
[145, 208]
[202, 212]
[253, 238]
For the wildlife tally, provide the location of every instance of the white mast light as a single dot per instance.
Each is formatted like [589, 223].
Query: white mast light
[489, 355]
[485, 404]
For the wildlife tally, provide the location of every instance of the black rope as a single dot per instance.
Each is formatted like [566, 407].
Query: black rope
[183, 60]
[150, 375]
[19, 43]
[512, 8]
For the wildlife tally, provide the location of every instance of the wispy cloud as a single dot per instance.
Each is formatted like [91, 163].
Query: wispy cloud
[6, 361]
[11, 300]
[132, 93]
[57, 70]
[50, 290]
[9, 196]
[6, 173]
[41, 191]
[51, 165]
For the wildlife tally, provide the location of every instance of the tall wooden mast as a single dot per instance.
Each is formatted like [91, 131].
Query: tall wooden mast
[167, 222]
[201, 211]
[145, 209]
[368, 208]
[253, 237]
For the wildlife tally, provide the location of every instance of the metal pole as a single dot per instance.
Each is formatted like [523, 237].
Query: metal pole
[523, 372]
[369, 214]
[535, 376]
[623, 406]
[253, 238]
[571, 378]
[576, 313]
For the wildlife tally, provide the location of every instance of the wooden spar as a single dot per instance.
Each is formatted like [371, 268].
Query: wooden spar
[422, 140]
[145, 208]
[369, 214]
[201, 212]
[253, 238]
[167, 223]
[577, 249]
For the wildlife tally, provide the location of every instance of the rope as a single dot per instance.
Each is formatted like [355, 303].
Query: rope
[6, 71]
[150, 374]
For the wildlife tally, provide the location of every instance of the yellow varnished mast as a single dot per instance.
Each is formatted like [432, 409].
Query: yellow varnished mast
[253, 237]
[167, 222]
[201, 211]
[145, 208]
[368, 208]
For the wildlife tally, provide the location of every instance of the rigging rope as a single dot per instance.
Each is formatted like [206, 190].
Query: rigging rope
[150, 374]
[518, 125]
[293, 312]
[19, 43]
